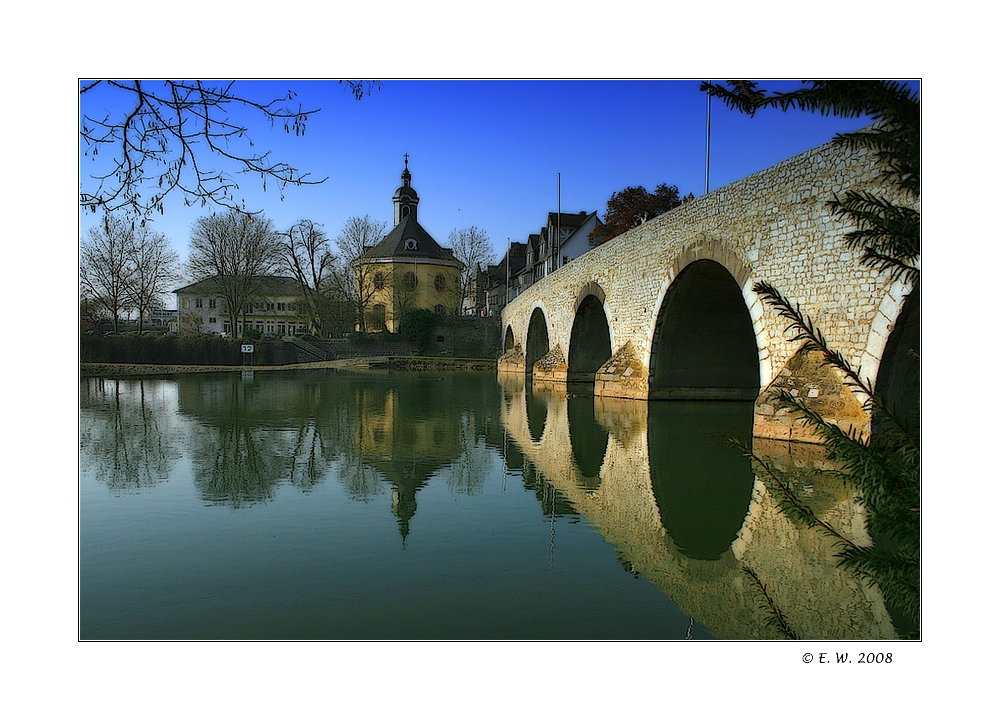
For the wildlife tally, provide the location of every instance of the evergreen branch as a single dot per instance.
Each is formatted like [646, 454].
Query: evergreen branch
[787, 500]
[813, 339]
[882, 478]
[881, 225]
[775, 618]
[888, 101]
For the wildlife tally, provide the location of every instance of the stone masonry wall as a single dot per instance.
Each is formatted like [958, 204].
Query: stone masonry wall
[772, 226]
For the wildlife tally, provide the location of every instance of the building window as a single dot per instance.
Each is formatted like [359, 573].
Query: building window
[211, 321]
[410, 281]
[197, 302]
[411, 244]
[405, 211]
[439, 283]
[281, 306]
[211, 303]
[378, 317]
[439, 310]
[379, 281]
[185, 303]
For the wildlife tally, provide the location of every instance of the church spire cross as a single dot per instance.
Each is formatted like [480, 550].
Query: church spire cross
[406, 161]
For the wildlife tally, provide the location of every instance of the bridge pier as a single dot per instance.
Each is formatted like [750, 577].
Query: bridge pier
[511, 362]
[551, 367]
[623, 376]
[823, 390]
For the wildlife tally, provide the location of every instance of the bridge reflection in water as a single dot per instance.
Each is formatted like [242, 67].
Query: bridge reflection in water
[661, 482]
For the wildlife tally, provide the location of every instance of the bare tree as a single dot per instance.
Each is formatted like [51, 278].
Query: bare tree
[472, 248]
[356, 278]
[105, 266]
[169, 134]
[153, 268]
[237, 251]
[308, 258]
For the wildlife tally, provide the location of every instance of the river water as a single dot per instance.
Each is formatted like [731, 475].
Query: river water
[336, 505]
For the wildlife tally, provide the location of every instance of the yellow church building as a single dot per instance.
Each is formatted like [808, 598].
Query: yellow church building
[407, 269]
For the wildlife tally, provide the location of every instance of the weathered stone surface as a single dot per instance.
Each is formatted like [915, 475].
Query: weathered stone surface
[624, 375]
[822, 390]
[772, 226]
[551, 367]
[511, 361]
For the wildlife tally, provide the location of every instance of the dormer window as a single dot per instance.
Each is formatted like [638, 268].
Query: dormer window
[410, 244]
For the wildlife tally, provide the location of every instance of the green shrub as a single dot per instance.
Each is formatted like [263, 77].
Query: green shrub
[416, 327]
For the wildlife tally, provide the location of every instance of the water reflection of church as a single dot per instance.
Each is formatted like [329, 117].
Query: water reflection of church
[408, 437]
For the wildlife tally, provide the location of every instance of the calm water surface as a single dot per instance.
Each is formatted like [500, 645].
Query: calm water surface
[425, 506]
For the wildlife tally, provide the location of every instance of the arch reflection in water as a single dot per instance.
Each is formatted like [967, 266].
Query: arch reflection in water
[537, 411]
[702, 484]
[588, 439]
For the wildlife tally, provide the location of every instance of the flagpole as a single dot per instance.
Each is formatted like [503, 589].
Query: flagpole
[558, 217]
[708, 137]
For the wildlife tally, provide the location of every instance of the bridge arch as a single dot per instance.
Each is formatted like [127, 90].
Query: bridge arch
[705, 342]
[588, 440]
[897, 380]
[508, 338]
[536, 342]
[590, 339]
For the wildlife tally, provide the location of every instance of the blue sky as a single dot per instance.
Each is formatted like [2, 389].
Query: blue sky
[488, 153]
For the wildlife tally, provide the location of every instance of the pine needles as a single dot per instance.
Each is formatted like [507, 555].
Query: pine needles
[884, 465]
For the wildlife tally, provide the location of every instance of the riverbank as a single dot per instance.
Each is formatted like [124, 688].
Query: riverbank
[400, 363]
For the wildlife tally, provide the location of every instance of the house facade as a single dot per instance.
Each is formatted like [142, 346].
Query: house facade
[408, 269]
[565, 237]
[274, 309]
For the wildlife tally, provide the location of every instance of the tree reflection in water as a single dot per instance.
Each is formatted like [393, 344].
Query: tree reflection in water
[125, 434]
[657, 481]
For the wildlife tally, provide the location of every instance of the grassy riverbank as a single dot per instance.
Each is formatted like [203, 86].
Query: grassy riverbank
[401, 363]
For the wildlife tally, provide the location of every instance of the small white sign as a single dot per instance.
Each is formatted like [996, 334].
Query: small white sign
[247, 348]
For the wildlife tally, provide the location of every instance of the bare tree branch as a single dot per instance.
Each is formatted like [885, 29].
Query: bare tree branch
[170, 132]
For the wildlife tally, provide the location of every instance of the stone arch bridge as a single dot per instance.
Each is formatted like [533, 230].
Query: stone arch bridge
[667, 310]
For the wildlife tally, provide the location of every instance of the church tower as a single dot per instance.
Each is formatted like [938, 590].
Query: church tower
[407, 270]
[404, 202]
